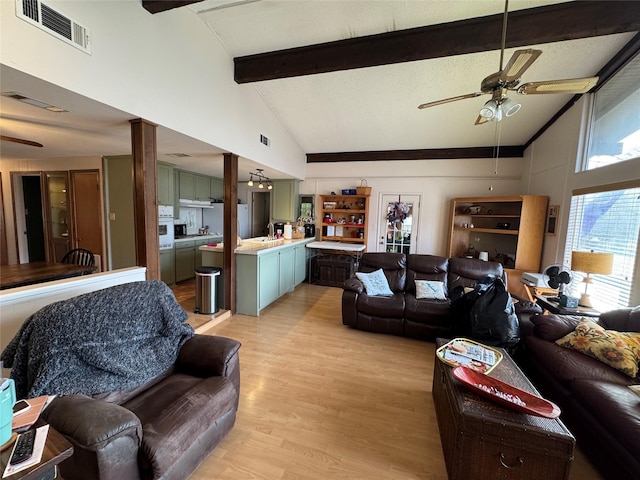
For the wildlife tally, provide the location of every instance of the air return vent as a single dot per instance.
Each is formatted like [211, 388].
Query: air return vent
[54, 22]
[265, 140]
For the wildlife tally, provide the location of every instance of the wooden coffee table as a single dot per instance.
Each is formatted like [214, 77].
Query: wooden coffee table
[56, 449]
[482, 439]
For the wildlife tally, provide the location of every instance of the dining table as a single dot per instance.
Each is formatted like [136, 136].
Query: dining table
[22, 274]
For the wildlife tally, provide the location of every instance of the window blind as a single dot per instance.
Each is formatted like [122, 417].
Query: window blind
[606, 221]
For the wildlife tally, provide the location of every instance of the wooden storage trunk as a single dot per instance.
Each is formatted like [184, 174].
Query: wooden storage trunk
[483, 440]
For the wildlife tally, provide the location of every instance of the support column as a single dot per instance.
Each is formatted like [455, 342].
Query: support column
[230, 229]
[145, 196]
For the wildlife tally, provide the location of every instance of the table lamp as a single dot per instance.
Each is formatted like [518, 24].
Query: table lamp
[590, 262]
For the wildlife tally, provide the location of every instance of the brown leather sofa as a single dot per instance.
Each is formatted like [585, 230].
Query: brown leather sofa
[596, 402]
[403, 314]
[139, 395]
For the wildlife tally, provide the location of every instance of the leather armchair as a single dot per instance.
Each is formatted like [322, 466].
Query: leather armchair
[162, 429]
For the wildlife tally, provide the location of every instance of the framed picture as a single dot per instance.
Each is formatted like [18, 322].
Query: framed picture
[552, 219]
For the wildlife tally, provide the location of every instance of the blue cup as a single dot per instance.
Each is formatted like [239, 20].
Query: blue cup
[7, 400]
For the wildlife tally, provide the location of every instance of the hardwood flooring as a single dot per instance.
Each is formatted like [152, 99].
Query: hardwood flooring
[322, 401]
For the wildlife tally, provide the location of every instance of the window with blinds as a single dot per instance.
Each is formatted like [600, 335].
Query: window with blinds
[606, 219]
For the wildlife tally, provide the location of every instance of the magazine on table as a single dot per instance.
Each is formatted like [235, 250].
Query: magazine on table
[465, 352]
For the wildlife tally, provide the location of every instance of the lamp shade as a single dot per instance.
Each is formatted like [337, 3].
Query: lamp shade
[592, 262]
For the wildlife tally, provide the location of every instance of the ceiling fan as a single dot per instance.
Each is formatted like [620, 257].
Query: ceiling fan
[508, 78]
[20, 140]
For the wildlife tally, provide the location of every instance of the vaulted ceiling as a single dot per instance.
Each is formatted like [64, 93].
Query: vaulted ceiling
[345, 77]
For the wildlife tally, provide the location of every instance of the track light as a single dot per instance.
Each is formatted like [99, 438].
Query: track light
[260, 177]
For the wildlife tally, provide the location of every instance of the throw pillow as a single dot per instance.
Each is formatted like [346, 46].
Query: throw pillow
[375, 283]
[430, 290]
[620, 350]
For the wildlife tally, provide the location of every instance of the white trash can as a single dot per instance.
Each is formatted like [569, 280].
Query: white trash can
[206, 290]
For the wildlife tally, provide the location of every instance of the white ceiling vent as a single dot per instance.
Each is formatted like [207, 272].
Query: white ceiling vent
[265, 140]
[54, 22]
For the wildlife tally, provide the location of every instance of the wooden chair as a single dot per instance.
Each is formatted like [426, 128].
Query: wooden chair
[79, 256]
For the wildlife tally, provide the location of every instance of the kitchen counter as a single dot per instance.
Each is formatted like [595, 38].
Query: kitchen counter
[256, 246]
[212, 236]
[265, 270]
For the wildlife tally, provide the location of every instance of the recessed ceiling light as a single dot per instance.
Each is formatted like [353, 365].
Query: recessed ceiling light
[34, 102]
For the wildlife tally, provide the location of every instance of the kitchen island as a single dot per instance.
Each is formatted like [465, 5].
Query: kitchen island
[265, 269]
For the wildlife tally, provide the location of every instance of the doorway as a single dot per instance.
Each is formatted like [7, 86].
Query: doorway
[33, 219]
[399, 226]
[260, 213]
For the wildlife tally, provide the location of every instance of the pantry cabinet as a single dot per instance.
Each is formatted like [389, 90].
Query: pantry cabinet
[284, 200]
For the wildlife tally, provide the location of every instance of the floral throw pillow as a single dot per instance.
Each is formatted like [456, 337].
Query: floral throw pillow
[620, 350]
[430, 290]
[375, 283]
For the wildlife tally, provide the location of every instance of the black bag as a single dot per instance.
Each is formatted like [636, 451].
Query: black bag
[462, 304]
[493, 318]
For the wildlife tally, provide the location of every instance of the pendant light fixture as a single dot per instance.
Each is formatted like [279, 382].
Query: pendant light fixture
[260, 178]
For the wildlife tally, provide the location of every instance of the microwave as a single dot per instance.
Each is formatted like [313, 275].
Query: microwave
[180, 229]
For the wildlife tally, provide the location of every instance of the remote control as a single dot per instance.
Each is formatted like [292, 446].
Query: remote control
[24, 447]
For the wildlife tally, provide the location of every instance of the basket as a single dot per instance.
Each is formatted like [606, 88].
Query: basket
[363, 189]
[297, 234]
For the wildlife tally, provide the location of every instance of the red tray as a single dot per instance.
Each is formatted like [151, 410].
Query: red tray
[506, 394]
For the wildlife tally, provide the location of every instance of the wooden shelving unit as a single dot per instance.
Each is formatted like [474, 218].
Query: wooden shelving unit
[349, 218]
[510, 229]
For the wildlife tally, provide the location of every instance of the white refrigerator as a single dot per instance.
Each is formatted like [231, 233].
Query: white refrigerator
[214, 218]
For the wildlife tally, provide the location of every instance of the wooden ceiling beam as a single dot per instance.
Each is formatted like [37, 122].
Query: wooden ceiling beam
[551, 23]
[419, 154]
[157, 6]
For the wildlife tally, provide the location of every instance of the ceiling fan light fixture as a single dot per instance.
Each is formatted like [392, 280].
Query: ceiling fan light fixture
[509, 107]
[489, 110]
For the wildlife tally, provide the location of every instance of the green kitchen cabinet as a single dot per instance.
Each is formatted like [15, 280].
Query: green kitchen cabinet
[202, 188]
[300, 263]
[168, 266]
[284, 200]
[187, 184]
[286, 270]
[217, 188]
[165, 184]
[185, 260]
[268, 274]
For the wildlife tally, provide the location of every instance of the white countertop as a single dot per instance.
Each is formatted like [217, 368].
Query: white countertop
[197, 237]
[347, 247]
[255, 247]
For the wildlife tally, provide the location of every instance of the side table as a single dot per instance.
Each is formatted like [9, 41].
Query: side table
[553, 306]
[56, 449]
[484, 440]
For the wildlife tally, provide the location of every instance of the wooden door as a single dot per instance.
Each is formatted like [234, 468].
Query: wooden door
[87, 210]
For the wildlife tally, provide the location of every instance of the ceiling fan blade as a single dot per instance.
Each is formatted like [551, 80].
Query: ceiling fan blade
[519, 62]
[574, 85]
[480, 120]
[452, 99]
[20, 140]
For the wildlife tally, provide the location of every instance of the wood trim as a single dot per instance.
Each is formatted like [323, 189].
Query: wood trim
[420, 154]
[606, 188]
[145, 196]
[551, 23]
[157, 6]
[230, 230]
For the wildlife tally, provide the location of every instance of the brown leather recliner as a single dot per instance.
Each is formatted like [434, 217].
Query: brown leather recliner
[403, 314]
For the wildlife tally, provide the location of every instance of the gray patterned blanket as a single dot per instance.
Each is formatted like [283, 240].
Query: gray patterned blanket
[103, 341]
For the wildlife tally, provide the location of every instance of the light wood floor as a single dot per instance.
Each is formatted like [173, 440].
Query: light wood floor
[322, 401]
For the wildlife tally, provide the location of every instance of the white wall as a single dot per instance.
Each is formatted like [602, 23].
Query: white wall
[168, 68]
[551, 170]
[437, 181]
